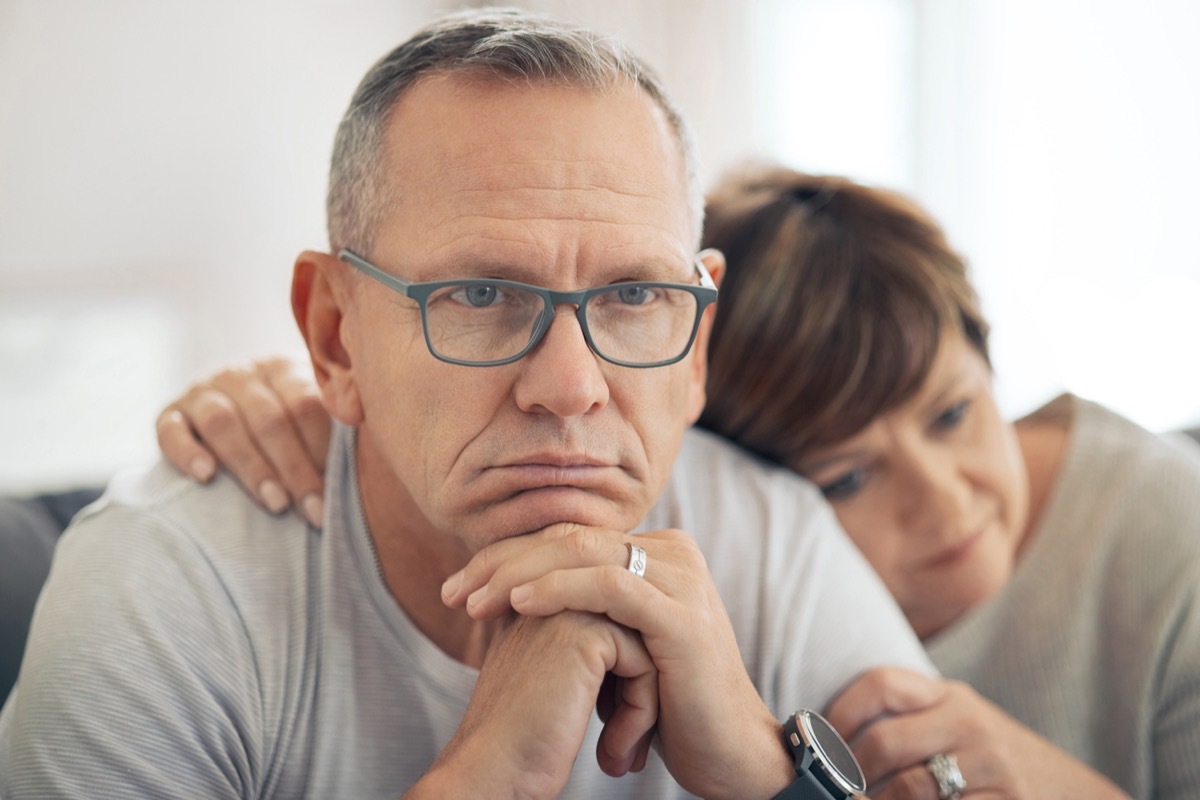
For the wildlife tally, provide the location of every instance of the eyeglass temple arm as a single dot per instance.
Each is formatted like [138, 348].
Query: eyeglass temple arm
[705, 278]
[360, 263]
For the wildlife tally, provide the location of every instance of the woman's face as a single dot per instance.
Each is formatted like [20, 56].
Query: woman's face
[934, 493]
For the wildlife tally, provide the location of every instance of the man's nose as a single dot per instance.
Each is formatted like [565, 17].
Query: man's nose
[562, 375]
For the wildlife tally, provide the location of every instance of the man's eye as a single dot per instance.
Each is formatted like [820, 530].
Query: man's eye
[634, 294]
[953, 416]
[844, 486]
[479, 295]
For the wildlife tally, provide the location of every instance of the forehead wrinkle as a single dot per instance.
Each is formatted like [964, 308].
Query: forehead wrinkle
[512, 216]
[465, 219]
[587, 202]
[579, 202]
[518, 173]
[514, 168]
[476, 254]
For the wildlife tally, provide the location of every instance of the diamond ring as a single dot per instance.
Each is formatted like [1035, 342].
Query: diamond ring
[949, 777]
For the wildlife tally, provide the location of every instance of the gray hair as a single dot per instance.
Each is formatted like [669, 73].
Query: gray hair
[508, 43]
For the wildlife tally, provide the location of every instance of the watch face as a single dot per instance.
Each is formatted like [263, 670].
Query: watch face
[834, 752]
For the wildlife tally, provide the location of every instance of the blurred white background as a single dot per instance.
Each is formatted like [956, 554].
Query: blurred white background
[162, 162]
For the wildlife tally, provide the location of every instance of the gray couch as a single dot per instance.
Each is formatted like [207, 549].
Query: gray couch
[29, 528]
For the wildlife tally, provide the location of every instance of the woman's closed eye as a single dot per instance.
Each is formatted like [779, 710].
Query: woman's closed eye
[845, 485]
[952, 416]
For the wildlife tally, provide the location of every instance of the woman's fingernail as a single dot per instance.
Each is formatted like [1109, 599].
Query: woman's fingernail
[313, 508]
[273, 496]
[203, 468]
[520, 594]
[452, 585]
[476, 597]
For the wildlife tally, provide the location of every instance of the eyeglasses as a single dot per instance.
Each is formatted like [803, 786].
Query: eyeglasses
[485, 323]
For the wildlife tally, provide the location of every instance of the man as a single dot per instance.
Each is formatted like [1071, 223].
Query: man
[498, 443]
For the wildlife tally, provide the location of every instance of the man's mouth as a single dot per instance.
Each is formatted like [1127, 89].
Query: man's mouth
[541, 475]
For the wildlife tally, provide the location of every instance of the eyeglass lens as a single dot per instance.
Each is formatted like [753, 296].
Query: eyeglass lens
[485, 322]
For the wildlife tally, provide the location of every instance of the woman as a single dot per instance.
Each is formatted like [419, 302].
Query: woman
[1029, 557]
[1051, 566]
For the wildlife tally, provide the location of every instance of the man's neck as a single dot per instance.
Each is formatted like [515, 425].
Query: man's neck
[415, 561]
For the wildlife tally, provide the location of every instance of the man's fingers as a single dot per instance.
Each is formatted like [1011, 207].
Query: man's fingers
[482, 586]
[612, 591]
[643, 752]
[634, 706]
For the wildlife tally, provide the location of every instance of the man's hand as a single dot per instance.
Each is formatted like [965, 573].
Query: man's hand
[716, 736]
[264, 423]
[896, 720]
[530, 709]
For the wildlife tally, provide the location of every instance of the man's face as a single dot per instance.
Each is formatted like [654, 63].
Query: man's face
[551, 186]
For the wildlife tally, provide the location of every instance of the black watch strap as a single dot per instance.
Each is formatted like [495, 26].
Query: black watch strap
[805, 787]
[825, 766]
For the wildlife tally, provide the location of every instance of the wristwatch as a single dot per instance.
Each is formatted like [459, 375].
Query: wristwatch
[825, 767]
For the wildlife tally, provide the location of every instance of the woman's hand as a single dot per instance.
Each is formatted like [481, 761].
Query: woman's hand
[265, 423]
[896, 720]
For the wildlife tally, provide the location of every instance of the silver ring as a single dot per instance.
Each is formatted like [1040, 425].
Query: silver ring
[949, 777]
[637, 560]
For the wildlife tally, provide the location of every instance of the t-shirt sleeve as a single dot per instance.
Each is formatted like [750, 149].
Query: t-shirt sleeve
[841, 620]
[139, 678]
[809, 612]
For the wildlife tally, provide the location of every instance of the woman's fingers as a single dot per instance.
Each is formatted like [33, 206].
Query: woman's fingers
[879, 692]
[179, 444]
[293, 384]
[264, 424]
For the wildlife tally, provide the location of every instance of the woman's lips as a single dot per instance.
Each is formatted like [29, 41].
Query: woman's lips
[959, 551]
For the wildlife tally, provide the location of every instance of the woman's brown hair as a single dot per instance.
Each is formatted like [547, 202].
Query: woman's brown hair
[834, 302]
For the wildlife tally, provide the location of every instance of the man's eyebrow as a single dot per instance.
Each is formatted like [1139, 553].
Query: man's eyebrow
[476, 267]
[657, 270]
[651, 270]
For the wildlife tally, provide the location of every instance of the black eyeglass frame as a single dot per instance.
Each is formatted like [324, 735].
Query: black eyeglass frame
[705, 294]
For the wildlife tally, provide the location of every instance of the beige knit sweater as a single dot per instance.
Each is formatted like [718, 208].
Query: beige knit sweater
[1095, 642]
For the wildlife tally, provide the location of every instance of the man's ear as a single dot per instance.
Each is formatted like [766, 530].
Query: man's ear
[320, 299]
[714, 262]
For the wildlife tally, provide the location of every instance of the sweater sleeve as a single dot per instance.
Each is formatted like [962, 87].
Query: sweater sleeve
[1176, 731]
[139, 677]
